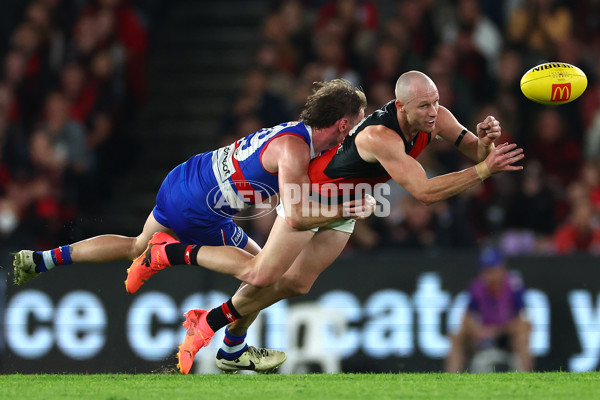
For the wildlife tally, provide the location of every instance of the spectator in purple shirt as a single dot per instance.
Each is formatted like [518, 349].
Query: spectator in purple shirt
[494, 317]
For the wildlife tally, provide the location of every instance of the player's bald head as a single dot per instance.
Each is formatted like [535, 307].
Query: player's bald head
[412, 82]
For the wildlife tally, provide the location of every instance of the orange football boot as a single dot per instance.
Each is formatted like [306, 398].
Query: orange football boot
[198, 335]
[152, 260]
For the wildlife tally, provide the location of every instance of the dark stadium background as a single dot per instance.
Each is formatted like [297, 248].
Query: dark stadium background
[189, 76]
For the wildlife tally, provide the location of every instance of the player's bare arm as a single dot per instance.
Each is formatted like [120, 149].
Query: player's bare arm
[477, 145]
[289, 157]
[381, 144]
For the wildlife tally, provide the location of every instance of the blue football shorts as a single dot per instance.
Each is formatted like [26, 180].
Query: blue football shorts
[194, 223]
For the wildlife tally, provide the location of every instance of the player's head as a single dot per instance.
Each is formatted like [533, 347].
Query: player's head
[331, 102]
[490, 257]
[417, 100]
[491, 265]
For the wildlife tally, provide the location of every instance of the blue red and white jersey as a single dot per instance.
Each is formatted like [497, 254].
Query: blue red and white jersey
[233, 176]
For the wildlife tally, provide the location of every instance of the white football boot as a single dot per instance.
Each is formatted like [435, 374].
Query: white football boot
[24, 267]
[259, 360]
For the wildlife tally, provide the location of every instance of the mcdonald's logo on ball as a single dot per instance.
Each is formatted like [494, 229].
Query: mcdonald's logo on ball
[561, 92]
[553, 83]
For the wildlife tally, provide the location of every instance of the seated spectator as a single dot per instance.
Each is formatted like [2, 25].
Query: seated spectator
[590, 111]
[38, 192]
[453, 88]
[590, 178]
[39, 15]
[13, 147]
[580, 233]
[255, 99]
[539, 25]
[297, 31]
[121, 19]
[416, 229]
[379, 93]
[356, 21]
[280, 81]
[333, 60]
[247, 123]
[508, 94]
[533, 208]
[484, 34]
[587, 15]
[494, 318]
[9, 107]
[471, 64]
[20, 87]
[553, 146]
[287, 37]
[36, 76]
[312, 72]
[9, 217]
[413, 26]
[387, 64]
[84, 40]
[108, 84]
[67, 135]
[355, 15]
[79, 91]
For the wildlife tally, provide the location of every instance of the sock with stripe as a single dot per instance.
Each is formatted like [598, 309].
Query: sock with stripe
[182, 253]
[233, 346]
[46, 260]
[221, 316]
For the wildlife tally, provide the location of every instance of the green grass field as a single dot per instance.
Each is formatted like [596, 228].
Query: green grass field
[530, 386]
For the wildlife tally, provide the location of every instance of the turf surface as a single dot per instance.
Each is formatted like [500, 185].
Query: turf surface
[530, 386]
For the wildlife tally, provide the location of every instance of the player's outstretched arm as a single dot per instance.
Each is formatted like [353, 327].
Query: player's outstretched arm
[381, 144]
[476, 145]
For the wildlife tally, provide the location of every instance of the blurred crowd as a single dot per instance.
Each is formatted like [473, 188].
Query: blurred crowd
[72, 77]
[476, 51]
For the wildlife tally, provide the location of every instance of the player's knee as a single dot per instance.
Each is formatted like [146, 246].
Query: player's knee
[299, 290]
[261, 273]
[262, 279]
[294, 288]
[294, 223]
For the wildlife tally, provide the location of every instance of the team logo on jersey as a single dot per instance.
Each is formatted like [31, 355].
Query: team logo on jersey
[226, 201]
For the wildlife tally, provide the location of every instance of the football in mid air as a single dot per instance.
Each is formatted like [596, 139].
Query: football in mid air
[553, 83]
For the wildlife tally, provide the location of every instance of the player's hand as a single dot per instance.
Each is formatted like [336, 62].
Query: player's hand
[489, 130]
[504, 157]
[360, 209]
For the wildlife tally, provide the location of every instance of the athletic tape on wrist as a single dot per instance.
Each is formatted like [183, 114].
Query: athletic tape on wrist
[482, 170]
